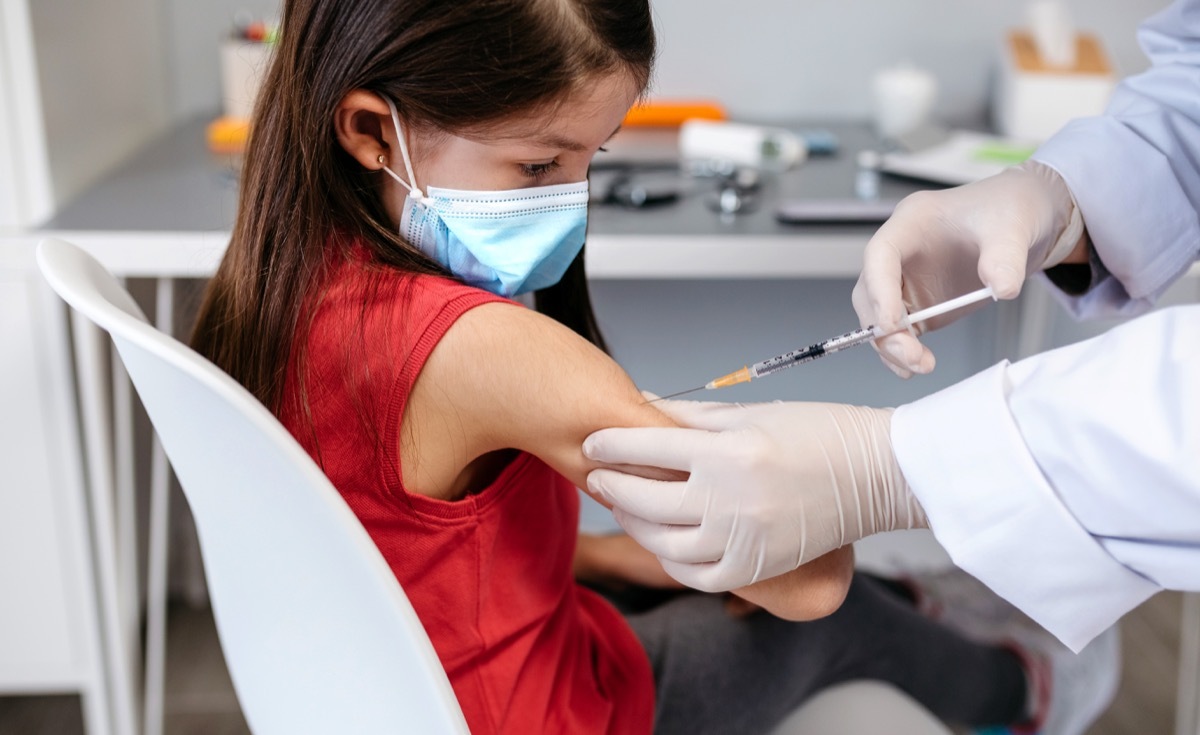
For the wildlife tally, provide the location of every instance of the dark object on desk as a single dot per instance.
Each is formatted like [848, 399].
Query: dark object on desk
[838, 211]
[610, 162]
[628, 189]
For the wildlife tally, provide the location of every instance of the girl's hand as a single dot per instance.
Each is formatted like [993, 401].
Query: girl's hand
[618, 561]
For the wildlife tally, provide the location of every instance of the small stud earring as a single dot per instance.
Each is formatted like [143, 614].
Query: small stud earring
[382, 159]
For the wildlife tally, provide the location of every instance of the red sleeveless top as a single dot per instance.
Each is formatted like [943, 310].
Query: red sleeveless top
[526, 649]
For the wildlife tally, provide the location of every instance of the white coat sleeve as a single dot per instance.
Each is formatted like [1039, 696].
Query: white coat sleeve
[1135, 172]
[1069, 482]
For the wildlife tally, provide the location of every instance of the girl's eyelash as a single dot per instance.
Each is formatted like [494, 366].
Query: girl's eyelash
[603, 149]
[537, 170]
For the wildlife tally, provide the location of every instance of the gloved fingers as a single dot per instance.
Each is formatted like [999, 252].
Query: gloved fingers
[656, 501]
[878, 298]
[899, 372]
[709, 576]
[905, 354]
[668, 448]
[706, 415]
[1002, 263]
[681, 544]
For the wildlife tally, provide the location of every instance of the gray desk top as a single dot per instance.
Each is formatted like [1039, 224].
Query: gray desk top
[174, 184]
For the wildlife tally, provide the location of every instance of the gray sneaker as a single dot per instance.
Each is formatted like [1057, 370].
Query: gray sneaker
[963, 603]
[1077, 688]
[1068, 692]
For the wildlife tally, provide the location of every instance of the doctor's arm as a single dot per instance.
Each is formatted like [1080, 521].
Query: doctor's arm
[1115, 196]
[1135, 171]
[1068, 482]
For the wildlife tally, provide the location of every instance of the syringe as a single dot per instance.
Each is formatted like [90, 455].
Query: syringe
[830, 346]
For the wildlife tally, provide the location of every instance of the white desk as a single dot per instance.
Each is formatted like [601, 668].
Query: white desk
[168, 211]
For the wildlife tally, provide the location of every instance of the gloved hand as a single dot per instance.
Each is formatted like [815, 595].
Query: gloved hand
[942, 244]
[772, 486]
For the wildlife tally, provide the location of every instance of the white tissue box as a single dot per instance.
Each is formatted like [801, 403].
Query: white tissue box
[1033, 100]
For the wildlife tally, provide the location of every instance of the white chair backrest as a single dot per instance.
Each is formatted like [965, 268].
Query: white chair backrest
[318, 635]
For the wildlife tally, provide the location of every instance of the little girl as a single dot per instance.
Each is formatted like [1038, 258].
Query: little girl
[414, 165]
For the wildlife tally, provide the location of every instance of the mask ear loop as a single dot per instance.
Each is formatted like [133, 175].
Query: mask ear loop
[413, 188]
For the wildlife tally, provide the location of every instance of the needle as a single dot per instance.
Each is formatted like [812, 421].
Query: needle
[830, 346]
[676, 395]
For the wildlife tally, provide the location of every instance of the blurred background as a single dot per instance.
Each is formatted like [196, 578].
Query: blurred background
[97, 98]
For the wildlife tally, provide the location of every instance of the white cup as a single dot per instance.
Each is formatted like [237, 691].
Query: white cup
[243, 66]
[903, 97]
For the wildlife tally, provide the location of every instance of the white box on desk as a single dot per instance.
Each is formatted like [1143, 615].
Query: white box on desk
[1034, 100]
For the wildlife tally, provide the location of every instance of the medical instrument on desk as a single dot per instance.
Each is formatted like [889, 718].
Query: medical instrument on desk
[830, 346]
[642, 191]
[736, 192]
[866, 178]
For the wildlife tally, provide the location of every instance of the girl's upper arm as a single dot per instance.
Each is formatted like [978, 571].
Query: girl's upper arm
[507, 377]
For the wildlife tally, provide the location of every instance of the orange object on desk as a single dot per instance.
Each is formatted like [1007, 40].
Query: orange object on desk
[672, 113]
[228, 134]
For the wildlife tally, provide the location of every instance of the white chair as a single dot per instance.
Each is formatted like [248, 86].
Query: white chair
[317, 634]
[861, 708]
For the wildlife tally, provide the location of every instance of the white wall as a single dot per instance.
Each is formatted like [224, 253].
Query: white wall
[196, 29]
[100, 68]
[114, 73]
[25, 195]
[766, 59]
[780, 59]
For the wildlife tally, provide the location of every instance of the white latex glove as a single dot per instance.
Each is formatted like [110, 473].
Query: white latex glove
[772, 486]
[942, 244]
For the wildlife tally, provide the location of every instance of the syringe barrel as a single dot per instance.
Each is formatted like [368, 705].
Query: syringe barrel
[810, 353]
[849, 339]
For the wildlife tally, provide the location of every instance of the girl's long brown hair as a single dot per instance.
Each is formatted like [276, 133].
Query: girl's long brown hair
[453, 65]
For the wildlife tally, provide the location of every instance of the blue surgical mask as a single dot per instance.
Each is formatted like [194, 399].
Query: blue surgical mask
[507, 242]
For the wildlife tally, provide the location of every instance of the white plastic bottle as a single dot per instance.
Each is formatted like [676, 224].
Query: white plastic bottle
[766, 148]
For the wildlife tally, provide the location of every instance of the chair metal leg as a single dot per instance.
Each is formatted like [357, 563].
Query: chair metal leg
[156, 574]
[1187, 703]
[95, 711]
[125, 497]
[156, 592]
[1187, 708]
[91, 360]
[1037, 314]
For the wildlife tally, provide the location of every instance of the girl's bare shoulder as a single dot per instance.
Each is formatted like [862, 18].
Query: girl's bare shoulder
[505, 377]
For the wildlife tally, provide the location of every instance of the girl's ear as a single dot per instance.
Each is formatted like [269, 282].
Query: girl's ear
[363, 125]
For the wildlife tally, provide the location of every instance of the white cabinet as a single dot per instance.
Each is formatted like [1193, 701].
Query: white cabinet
[49, 621]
